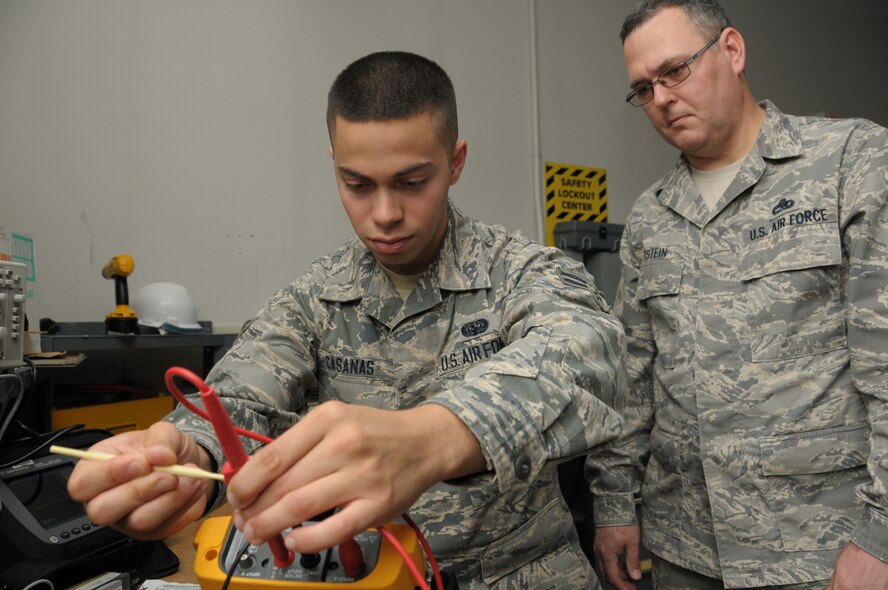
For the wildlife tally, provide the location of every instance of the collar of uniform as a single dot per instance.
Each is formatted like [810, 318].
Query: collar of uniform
[780, 136]
[461, 265]
[350, 273]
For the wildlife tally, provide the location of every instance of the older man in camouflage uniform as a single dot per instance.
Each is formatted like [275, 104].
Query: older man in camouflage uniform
[755, 304]
[469, 362]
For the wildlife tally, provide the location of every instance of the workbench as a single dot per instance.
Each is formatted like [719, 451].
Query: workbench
[116, 358]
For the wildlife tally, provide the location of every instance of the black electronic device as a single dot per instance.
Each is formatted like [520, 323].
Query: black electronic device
[38, 519]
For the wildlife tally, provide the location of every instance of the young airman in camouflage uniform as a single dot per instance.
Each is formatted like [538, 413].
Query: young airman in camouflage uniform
[757, 323]
[455, 364]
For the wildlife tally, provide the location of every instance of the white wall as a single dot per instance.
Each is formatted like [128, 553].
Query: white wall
[190, 133]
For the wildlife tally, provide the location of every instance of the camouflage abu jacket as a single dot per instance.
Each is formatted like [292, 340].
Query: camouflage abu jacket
[757, 412]
[510, 336]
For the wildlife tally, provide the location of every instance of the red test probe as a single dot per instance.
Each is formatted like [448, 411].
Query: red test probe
[227, 433]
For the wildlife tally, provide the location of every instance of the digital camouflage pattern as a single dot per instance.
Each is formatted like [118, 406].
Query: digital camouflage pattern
[757, 337]
[511, 336]
[668, 576]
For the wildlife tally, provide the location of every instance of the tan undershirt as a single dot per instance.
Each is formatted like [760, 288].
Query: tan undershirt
[712, 184]
[404, 284]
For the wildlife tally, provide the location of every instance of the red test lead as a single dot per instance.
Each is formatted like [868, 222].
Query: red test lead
[227, 433]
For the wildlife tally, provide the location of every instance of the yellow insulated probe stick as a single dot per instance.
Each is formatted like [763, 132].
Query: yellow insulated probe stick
[182, 470]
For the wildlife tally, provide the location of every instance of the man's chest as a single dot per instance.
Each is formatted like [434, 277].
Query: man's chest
[367, 362]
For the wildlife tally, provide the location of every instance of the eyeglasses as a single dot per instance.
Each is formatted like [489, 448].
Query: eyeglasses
[671, 76]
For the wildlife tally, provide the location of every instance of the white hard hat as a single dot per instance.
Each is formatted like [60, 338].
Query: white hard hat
[167, 307]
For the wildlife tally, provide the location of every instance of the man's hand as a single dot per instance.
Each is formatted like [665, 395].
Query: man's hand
[125, 493]
[858, 570]
[610, 543]
[372, 464]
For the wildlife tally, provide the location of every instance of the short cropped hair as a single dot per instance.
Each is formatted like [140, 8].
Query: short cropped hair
[706, 15]
[391, 85]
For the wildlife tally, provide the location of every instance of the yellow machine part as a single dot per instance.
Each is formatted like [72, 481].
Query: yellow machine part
[122, 311]
[121, 265]
[390, 572]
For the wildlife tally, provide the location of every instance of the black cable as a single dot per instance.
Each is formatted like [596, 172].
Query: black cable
[9, 400]
[33, 368]
[233, 567]
[28, 430]
[16, 399]
[42, 445]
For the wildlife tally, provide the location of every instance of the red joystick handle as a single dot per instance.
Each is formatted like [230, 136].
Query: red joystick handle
[351, 558]
[231, 445]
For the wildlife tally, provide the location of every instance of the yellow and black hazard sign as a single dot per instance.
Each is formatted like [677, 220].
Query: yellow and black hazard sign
[574, 193]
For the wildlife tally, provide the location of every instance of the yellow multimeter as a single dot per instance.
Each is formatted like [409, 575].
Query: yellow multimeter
[219, 545]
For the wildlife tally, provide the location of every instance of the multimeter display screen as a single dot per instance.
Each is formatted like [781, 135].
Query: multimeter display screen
[45, 495]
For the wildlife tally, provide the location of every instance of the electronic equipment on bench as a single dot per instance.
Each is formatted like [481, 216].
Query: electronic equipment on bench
[389, 558]
[38, 519]
[12, 314]
[221, 548]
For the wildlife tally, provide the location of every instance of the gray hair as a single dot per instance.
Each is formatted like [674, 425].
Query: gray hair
[707, 16]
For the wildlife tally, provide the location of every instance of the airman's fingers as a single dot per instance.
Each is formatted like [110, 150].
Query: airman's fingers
[272, 461]
[117, 502]
[91, 478]
[293, 508]
[167, 513]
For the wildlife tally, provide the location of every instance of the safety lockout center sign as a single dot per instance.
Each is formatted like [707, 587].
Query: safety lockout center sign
[574, 193]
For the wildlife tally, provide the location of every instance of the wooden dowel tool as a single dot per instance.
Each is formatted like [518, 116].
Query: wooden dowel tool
[182, 470]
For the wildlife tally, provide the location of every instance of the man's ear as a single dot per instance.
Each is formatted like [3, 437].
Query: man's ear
[458, 160]
[735, 47]
[330, 151]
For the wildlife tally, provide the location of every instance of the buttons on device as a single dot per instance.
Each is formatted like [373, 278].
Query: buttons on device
[12, 313]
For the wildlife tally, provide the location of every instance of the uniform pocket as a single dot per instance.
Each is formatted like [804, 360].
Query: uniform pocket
[476, 491]
[522, 558]
[565, 568]
[793, 293]
[811, 478]
[658, 287]
[357, 380]
[355, 390]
